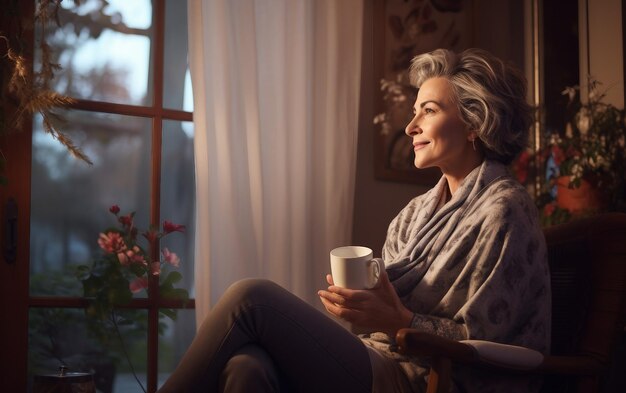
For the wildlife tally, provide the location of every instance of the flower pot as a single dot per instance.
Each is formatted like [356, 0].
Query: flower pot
[64, 382]
[585, 198]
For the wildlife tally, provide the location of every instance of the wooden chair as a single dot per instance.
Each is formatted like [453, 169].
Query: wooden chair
[587, 260]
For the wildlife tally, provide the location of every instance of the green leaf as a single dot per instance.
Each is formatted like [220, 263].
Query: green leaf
[119, 292]
[172, 278]
[169, 292]
[98, 310]
[82, 272]
[168, 312]
[92, 286]
[138, 270]
[180, 293]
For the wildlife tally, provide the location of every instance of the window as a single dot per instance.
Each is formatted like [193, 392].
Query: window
[126, 64]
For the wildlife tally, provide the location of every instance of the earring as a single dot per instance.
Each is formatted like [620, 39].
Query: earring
[474, 143]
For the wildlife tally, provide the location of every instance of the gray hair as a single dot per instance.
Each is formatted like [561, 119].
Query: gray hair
[490, 94]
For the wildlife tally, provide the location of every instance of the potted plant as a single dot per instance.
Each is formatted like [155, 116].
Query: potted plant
[124, 268]
[585, 163]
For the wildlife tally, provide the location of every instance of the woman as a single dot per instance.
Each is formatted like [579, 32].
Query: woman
[465, 260]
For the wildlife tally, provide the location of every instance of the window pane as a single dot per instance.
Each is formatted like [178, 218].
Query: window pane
[63, 336]
[103, 48]
[176, 81]
[174, 341]
[70, 200]
[178, 194]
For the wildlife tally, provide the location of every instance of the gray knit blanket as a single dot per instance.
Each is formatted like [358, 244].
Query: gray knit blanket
[474, 268]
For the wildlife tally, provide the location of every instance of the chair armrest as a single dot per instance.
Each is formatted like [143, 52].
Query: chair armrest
[416, 343]
[504, 355]
[575, 365]
[493, 355]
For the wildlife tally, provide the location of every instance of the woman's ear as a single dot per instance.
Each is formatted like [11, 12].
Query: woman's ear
[471, 138]
[472, 135]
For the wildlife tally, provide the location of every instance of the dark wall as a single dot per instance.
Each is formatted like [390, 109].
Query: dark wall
[499, 28]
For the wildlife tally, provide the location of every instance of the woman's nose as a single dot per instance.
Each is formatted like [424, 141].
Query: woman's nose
[413, 128]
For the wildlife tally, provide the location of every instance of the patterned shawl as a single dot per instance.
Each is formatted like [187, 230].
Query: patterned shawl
[475, 268]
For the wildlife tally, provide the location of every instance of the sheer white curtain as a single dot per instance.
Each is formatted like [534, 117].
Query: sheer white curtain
[276, 91]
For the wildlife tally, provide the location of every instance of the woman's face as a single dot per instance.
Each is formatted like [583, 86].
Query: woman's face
[440, 138]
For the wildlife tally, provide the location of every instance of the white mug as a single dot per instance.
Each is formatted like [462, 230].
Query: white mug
[353, 267]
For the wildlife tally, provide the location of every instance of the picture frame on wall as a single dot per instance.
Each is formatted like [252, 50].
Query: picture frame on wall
[403, 29]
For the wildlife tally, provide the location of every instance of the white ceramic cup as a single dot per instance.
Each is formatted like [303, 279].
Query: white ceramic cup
[353, 267]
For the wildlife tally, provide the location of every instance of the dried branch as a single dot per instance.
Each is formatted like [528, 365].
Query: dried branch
[31, 89]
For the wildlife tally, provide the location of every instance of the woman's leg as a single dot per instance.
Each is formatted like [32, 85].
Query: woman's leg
[309, 350]
[250, 369]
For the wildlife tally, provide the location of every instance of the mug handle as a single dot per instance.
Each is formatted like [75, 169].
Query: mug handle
[374, 267]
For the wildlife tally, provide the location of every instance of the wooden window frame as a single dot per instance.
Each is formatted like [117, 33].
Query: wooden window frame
[15, 298]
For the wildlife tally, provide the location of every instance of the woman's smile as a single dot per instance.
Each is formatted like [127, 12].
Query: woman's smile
[418, 145]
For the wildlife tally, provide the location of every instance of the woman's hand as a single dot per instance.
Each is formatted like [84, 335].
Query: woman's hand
[378, 309]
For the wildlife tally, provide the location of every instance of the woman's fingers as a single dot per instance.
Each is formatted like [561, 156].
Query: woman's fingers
[332, 297]
[377, 308]
[345, 301]
[333, 308]
[328, 305]
[347, 314]
[345, 298]
[351, 294]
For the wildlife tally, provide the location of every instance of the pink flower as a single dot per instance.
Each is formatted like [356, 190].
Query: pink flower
[170, 257]
[114, 209]
[132, 256]
[169, 227]
[138, 284]
[123, 259]
[111, 242]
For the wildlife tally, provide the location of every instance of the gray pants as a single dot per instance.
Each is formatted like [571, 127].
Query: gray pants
[261, 338]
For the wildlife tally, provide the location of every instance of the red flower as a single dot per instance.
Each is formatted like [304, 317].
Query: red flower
[169, 227]
[573, 152]
[127, 220]
[151, 236]
[114, 209]
[520, 167]
[558, 155]
[549, 209]
[138, 284]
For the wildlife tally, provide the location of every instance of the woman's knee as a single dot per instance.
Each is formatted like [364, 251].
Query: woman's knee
[252, 290]
[250, 368]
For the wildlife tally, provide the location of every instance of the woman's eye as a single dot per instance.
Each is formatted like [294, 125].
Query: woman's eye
[429, 110]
